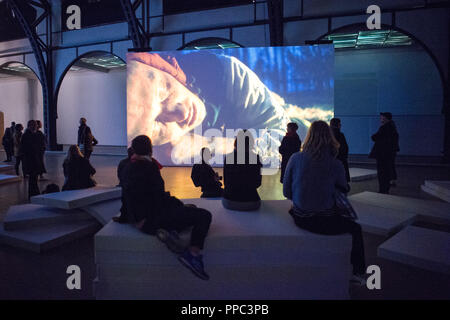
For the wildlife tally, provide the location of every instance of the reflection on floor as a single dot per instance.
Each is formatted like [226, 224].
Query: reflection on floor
[32, 276]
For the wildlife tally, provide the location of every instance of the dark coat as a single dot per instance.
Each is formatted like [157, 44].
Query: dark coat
[30, 151]
[143, 195]
[43, 146]
[386, 142]
[78, 173]
[85, 138]
[290, 144]
[241, 180]
[204, 176]
[343, 150]
[7, 140]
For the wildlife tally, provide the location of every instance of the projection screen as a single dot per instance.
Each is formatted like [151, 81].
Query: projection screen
[186, 100]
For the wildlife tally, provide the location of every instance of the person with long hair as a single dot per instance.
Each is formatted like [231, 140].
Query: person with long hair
[78, 171]
[312, 179]
[242, 175]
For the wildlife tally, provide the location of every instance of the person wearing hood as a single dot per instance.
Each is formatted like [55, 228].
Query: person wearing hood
[205, 177]
[290, 144]
[342, 155]
[384, 151]
[154, 211]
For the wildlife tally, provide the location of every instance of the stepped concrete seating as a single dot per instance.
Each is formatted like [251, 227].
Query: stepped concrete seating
[33, 215]
[6, 178]
[359, 174]
[77, 198]
[419, 247]
[381, 221]
[7, 169]
[439, 189]
[104, 211]
[426, 210]
[248, 255]
[45, 237]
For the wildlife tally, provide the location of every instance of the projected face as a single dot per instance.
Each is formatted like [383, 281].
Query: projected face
[159, 105]
[187, 100]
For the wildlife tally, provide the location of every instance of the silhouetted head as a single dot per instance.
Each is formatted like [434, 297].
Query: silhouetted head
[18, 127]
[39, 124]
[74, 153]
[32, 125]
[292, 127]
[83, 121]
[13, 124]
[205, 153]
[335, 123]
[385, 117]
[243, 147]
[142, 146]
[320, 140]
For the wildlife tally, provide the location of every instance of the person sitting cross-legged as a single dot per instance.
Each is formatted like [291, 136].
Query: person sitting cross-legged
[155, 212]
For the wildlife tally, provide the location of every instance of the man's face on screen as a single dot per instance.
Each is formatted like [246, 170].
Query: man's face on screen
[160, 106]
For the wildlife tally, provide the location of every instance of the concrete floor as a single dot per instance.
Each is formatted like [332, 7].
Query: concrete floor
[25, 275]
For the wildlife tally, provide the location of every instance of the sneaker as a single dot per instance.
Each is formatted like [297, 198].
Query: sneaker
[358, 280]
[172, 240]
[194, 263]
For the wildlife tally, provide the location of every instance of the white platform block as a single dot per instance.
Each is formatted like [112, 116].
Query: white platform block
[43, 238]
[419, 247]
[77, 198]
[246, 253]
[359, 174]
[104, 211]
[7, 169]
[439, 189]
[28, 216]
[6, 178]
[381, 221]
[427, 210]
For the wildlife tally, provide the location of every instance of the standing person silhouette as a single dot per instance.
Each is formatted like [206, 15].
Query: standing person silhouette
[86, 140]
[290, 144]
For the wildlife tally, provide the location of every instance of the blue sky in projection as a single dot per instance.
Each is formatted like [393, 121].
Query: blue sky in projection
[301, 75]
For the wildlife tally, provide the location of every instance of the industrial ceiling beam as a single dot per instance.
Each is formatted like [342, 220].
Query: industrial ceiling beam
[275, 14]
[135, 29]
[43, 55]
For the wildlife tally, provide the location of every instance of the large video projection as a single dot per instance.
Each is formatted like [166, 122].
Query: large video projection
[186, 100]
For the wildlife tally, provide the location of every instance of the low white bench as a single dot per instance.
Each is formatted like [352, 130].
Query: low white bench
[27, 216]
[104, 211]
[77, 198]
[381, 221]
[248, 255]
[426, 210]
[7, 169]
[419, 247]
[6, 178]
[360, 174]
[439, 189]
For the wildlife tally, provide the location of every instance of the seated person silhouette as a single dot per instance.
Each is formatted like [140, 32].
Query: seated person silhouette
[154, 211]
[242, 175]
[78, 171]
[205, 177]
